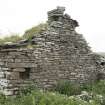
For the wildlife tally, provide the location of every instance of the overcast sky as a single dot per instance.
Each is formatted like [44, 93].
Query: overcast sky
[16, 16]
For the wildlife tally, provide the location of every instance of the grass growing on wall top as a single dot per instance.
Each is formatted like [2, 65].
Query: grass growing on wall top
[27, 35]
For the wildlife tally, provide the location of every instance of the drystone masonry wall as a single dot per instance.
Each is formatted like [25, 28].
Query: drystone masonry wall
[60, 54]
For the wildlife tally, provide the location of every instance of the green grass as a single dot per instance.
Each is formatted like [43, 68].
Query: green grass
[34, 96]
[44, 98]
[97, 88]
[36, 30]
[68, 88]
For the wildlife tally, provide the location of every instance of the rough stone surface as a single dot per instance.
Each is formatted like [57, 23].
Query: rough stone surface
[60, 54]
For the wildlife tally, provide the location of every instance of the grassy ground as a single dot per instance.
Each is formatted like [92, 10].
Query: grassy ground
[64, 94]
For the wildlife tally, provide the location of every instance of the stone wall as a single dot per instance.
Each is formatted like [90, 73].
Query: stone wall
[60, 54]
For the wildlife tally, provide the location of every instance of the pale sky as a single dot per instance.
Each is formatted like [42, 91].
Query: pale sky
[16, 16]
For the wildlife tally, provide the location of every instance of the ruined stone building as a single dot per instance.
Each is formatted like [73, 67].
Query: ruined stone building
[59, 53]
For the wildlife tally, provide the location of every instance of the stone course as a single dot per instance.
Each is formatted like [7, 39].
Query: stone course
[60, 54]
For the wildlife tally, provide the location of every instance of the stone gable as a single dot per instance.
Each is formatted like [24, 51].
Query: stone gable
[60, 54]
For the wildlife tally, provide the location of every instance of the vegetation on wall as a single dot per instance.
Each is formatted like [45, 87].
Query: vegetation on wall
[13, 38]
[35, 30]
[27, 35]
